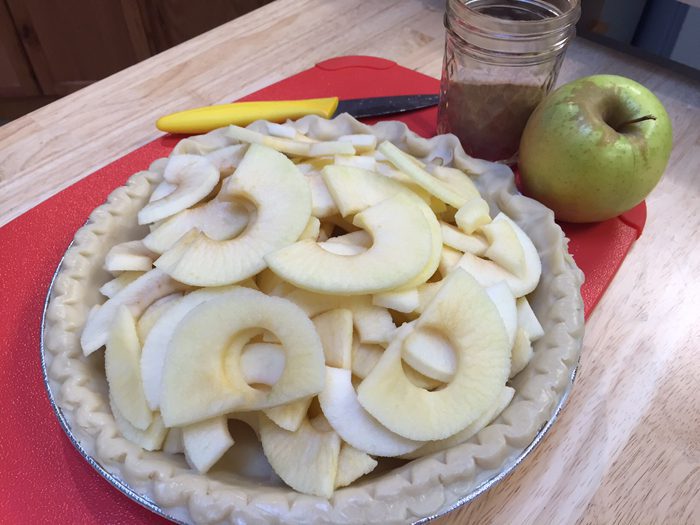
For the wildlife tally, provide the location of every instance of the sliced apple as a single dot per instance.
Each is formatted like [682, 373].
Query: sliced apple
[504, 246]
[154, 312]
[488, 272]
[290, 415]
[364, 357]
[359, 238]
[283, 206]
[113, 287]
[470, 430]
[449, 258]
[472, 215]
[521, 353]
[458, 240]
[404, 301]
[322, 149]
[122, 370]
[194, 177]
[155, 346]
[373, 324]
[130, 256]
[334, 327]
[269, 283]
[281, 130]
[342, 248]
[311, 230]
[173, 441]
[393, 224]
[227, 159]
[291, 147]
[457, 180]
[353, 423]
[316, 303]
[150, 439]
[205, 442]
[420, 380]
[136, 296]
[527, 319]
[356, 161]
[322, 204]
[262, 363]
[463, 313]
[352, 465]
[195, 385]
[218, 219]
[306, 460]
[430, 354]
[503, 298]
[362, 142]
[403, 162]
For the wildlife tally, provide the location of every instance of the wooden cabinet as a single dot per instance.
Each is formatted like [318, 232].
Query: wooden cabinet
[50, 48]
[16, 79]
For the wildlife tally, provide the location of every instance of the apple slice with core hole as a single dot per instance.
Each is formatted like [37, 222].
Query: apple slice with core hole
[354, 190]
[306, 460]
[463, 313]
[283, 208]
[393, 224]
[136, 296]
[193, 176]
[352, 422]
[420, 380]
[122, 370]
[155, 346]
[352, 465]
[205, 442]
[195, 386]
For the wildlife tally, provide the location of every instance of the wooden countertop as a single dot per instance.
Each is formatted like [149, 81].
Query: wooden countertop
[626, 449]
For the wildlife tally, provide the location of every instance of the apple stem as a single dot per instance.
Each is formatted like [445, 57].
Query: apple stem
[634, 121]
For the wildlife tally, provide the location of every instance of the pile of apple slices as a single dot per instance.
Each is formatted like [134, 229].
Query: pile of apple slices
[344, 299]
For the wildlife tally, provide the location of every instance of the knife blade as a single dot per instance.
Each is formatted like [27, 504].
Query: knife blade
[204, 119]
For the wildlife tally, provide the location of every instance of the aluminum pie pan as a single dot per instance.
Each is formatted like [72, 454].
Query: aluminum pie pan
[415, 492]
[145, 501]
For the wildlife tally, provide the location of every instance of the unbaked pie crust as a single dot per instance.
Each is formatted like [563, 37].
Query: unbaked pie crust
[418, 489]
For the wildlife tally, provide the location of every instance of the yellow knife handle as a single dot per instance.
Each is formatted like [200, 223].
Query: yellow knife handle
[205, 119]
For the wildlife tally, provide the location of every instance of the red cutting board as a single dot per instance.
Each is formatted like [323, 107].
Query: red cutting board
[43, 479]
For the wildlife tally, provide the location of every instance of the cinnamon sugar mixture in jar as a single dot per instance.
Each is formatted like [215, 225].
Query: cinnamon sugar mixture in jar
[501, 58]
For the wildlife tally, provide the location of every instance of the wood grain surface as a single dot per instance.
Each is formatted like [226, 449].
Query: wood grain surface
[626, 448]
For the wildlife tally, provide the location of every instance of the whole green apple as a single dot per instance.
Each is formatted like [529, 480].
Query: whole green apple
[595, 148]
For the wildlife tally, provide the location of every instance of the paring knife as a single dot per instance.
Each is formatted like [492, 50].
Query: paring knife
[201, 120]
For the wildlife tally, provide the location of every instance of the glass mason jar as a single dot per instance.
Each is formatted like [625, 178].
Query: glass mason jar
[501, 58]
